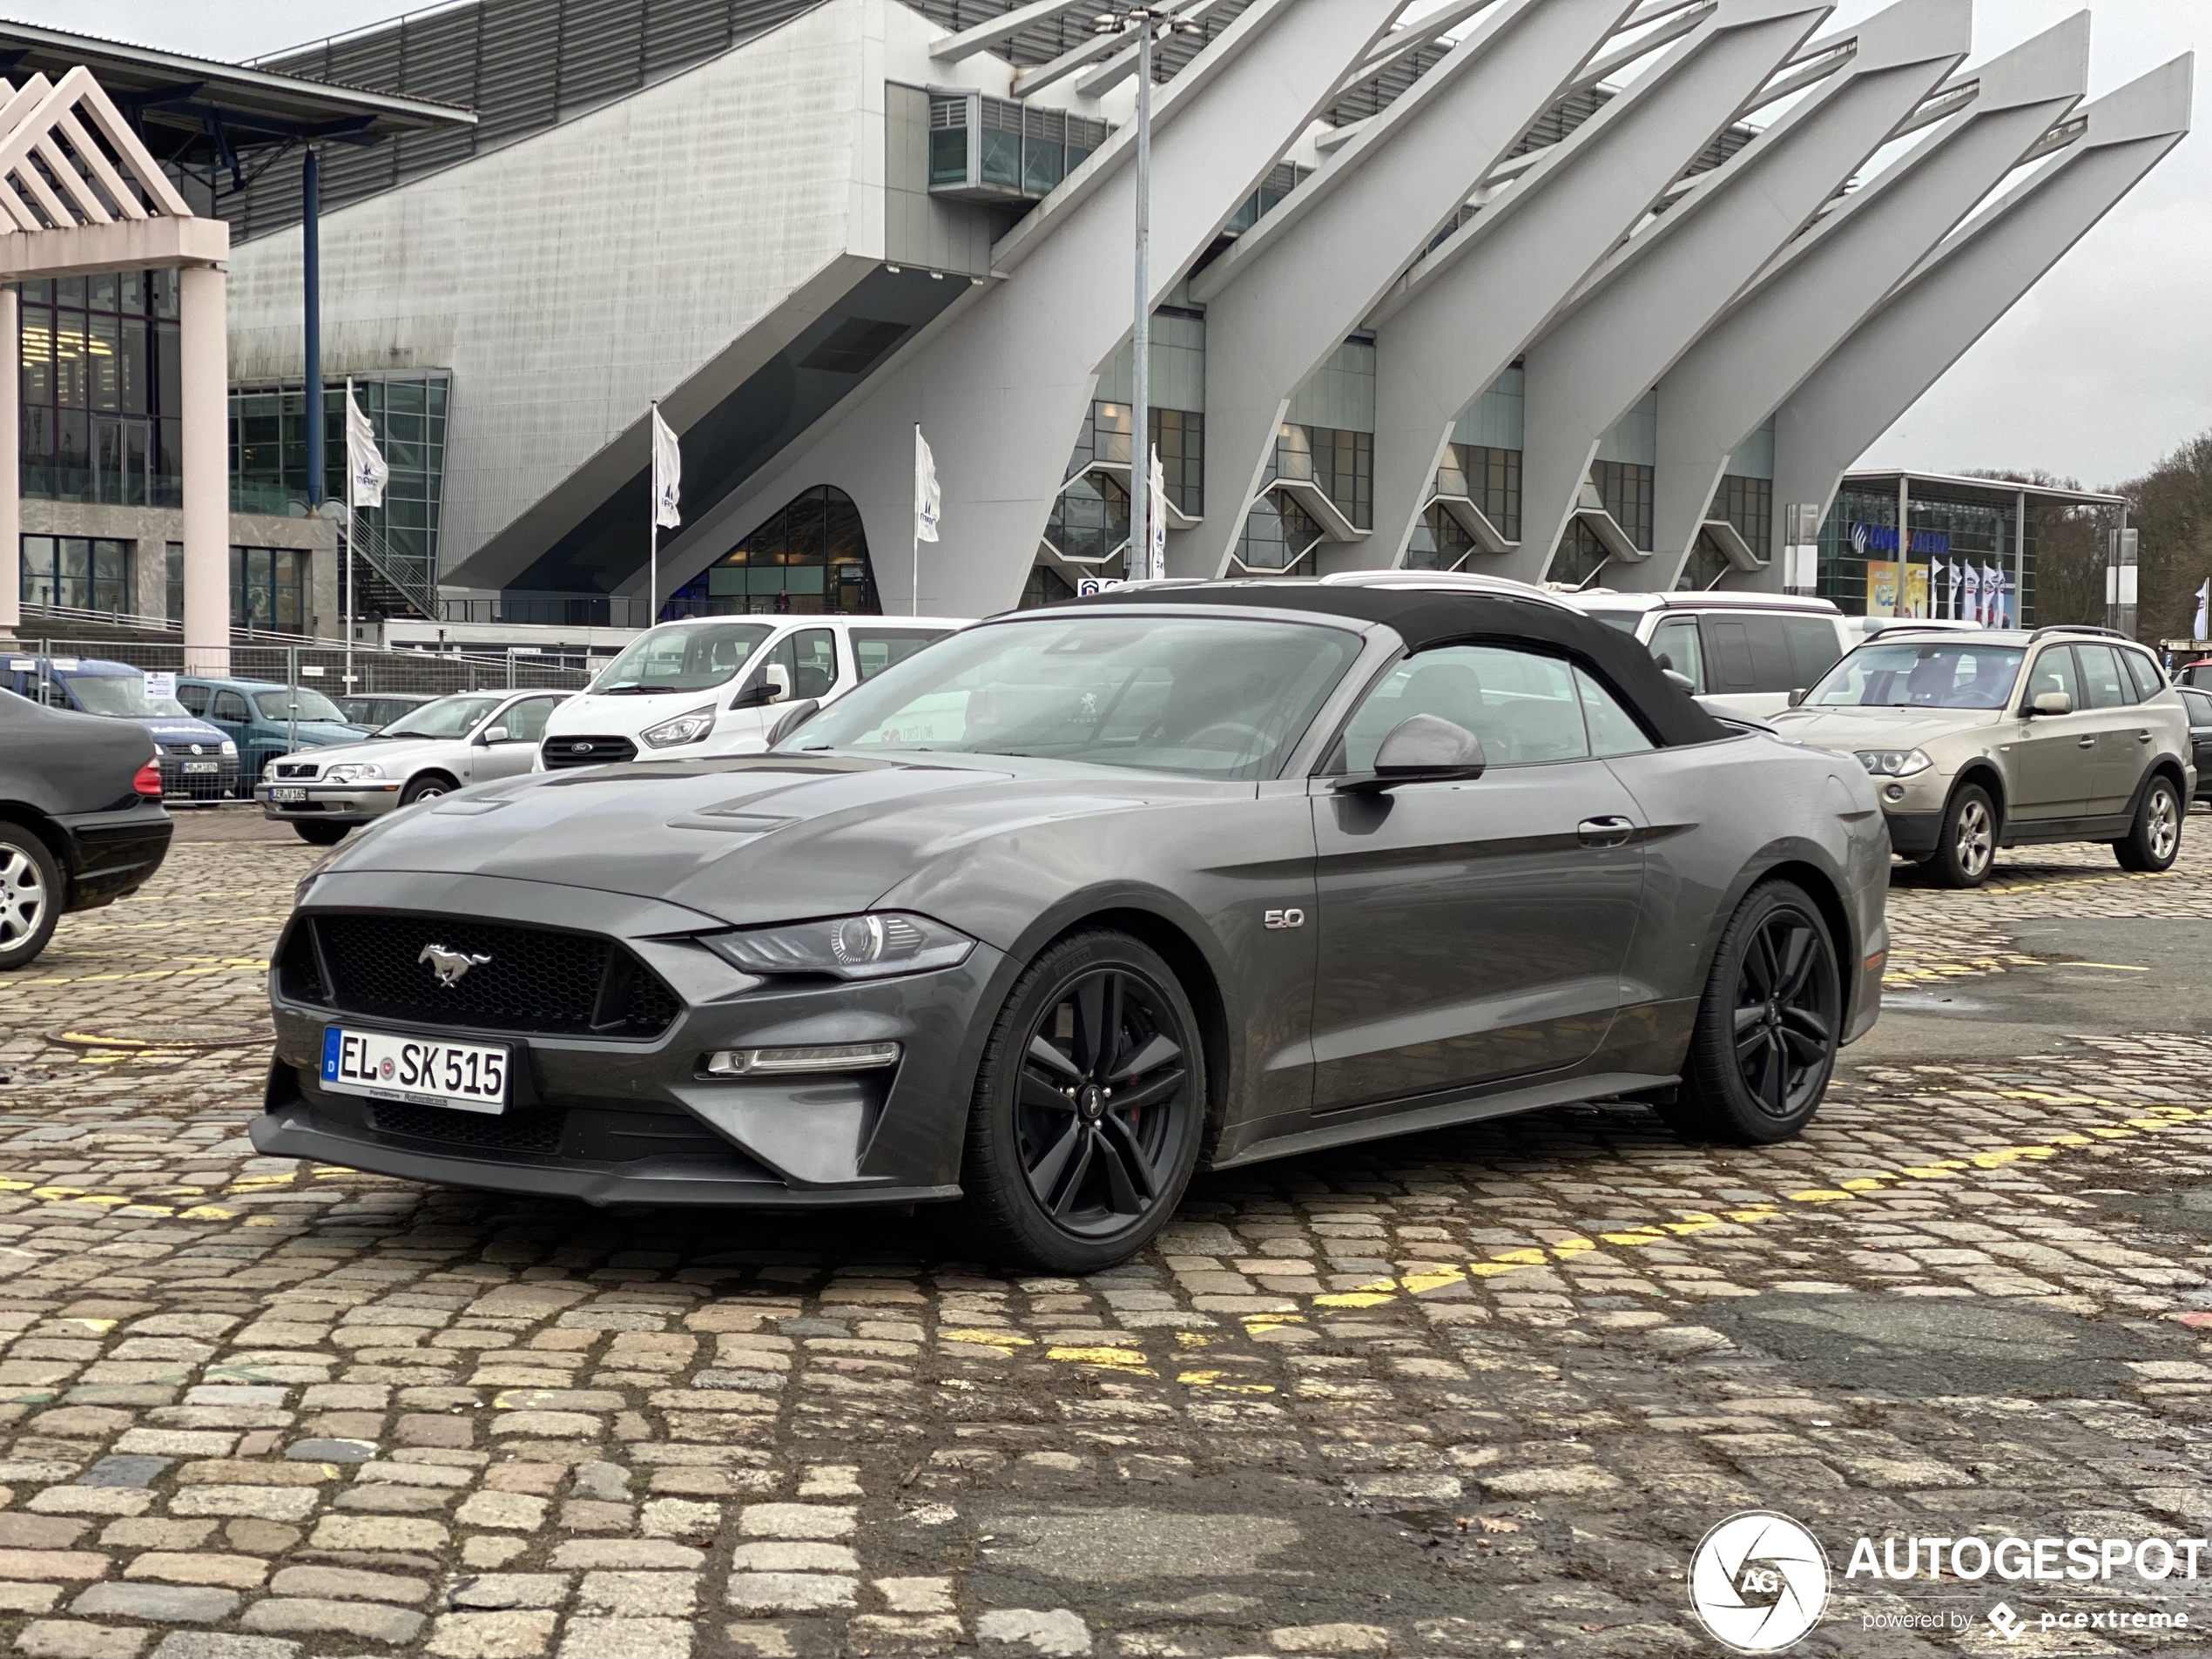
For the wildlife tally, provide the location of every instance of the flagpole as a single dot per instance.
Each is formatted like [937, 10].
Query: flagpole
[652, 569]
[349, 538]
[913, 602]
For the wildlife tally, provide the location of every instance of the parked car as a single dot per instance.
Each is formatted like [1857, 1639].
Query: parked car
[1743, 653]
[198, 762]
[2006, 738]
[2199, 704]
[81, 820]
[375, 711]
[265, 719]
[2198, 673]
[709, 685]
[443, 745]
[1209, 874]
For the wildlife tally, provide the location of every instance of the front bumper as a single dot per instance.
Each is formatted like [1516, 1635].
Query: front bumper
[111, 855]
[216, 779]
[1914, 835]
[331, 803]
[617, 1121]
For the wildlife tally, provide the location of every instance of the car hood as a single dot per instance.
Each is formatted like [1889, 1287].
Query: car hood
[1851, 730]
[167, 728]
[321, 734]
[757, 838]
[380, 750]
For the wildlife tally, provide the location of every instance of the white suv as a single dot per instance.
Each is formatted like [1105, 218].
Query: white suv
[1742, 653]
[718, 685]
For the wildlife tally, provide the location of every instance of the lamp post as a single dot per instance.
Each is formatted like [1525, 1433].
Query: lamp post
[1146, 20]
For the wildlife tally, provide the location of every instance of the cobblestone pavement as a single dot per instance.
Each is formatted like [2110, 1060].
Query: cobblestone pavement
[1478, 1392]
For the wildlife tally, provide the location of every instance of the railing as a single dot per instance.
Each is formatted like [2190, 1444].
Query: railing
[550, 609]
[320, 665]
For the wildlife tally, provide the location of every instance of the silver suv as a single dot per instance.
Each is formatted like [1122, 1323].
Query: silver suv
[2008, 737]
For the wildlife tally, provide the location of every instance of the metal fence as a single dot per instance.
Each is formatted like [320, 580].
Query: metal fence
[322, 667]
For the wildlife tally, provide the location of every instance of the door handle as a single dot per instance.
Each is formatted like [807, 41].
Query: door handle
[2142, 737]
[1605, 832]
[2084, 742]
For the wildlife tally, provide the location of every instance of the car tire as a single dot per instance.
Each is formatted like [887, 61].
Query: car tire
[321, 834]
[426, 787]
[30, 895]
[1769, 1025]
[1059, 1177]
[2154, 841]
[1966, 845]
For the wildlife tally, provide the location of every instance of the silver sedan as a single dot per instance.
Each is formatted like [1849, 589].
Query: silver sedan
[468, 738]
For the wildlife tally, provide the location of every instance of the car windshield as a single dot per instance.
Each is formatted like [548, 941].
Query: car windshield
[1206, 697]
[449, 716]
[1927, 674]
[122, 694]
[681, 657]
[311, 704]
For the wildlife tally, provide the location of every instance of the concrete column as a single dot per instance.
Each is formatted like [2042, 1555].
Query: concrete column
[11, 456]
[204, 350]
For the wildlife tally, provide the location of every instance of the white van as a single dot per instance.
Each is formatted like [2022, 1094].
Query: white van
[716, 686]
[1744, 652]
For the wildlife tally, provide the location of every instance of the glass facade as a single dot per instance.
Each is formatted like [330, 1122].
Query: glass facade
[100, 390]
[1490, 478]
[269, 456]
[1627, 488]
[1278, 533]
[83, 573]
[1090, 521]
[995, 149]
[1179, 434]
[810, 559]
[269, 588]
[1858, 566]
[1281, 182]
[1438, 543]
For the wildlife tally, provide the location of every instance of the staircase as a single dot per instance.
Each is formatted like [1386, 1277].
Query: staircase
[387, 581]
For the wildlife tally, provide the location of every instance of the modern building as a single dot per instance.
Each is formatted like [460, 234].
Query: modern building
[1583, 291]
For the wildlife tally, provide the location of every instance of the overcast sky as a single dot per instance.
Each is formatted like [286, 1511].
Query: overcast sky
[2105, 367]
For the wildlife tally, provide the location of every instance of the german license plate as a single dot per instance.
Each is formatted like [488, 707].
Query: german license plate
[203, 766]
[287, 794]
[468, 1076]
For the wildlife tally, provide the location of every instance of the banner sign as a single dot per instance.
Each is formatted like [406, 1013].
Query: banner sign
[1881, 590]
[1882, 538]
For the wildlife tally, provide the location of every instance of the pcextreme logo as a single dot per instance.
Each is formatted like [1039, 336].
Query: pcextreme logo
[1758, 1582]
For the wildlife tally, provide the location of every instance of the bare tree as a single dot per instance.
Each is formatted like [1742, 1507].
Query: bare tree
[2069, 550]
[2171, 509]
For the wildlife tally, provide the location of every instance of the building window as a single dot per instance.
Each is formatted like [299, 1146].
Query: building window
[1490, 478]
[1089, 520]
[1278, 536]
[1286, 177]
[1748, 504]
[76, 572]
[1627, 488]
[1179, 434]
[810, 559]
[1341, 463]
[269, 588]
[1581, 556]
[1046, 586]
[1438, 543]
[1020, 153]
[100, 390]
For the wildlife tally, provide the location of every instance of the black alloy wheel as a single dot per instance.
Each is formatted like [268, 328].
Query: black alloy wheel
[1088, 1108]
[1768, 1027]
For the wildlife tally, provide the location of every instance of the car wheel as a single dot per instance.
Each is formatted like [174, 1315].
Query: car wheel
[426, 787]
[1088, 1108]
[321, 834]
[2155, 840]
[30, 895]
[1966, 847]
[1768, 1027]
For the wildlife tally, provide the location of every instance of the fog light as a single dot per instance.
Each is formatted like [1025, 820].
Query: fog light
[1895, 791]
[835, 1057]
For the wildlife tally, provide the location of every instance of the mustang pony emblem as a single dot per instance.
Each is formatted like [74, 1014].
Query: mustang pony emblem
[449, 965]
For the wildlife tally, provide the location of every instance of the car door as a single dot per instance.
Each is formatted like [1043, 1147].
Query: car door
[2199, 704]
[1470, 931]
[1674, 645]
[230, 713]
[2123, 735]
[523, 721]
[2053, 754]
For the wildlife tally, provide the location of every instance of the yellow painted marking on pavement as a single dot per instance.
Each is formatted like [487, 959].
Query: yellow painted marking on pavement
[1822, 1195]
[1213, 1380]
[1128, 1359]
[206, 1212]
[240, 965]
[1192, 1340]
[1005, 1341]
[2116, 968]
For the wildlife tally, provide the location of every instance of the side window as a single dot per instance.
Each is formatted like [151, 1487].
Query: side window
[1771, 669]
[2200, 707]
[194, 698]
[814, 659]
[2102, 676]
[1613, 731]
[1729, 642]
[876, 649]
[229, 705]
[2053, 672]
[2148, 681]
[526, 721]
[1814, 648]
[1678, 642]
[1525, 708]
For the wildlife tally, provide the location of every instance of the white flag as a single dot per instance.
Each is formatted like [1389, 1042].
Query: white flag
[367, 472]
[1973, 593]
[668, 474]
[1958, 589]
[2203, 607]
[1156, 525]
[928, 499]
[1992, 603]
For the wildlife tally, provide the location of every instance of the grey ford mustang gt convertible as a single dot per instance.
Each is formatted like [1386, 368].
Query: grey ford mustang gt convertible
[1081, 900]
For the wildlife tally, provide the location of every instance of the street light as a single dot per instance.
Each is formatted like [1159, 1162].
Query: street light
[1146, 20]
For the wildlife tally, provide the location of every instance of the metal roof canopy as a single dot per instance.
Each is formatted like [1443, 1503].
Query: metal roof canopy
[200, 115]
[1953, 483]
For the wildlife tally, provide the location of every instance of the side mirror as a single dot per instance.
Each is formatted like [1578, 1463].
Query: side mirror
[1422, 749]
[1680, 682]
[1665, 659]
[791, 718]
[495, 734]
[773, 686]
[1798, 696]
[2051, 703]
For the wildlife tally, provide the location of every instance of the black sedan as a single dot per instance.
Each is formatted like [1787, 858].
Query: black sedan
[81, 820]
[1081, 900]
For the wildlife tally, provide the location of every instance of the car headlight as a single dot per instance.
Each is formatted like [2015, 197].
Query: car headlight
[870, 947]
[1894, 763]
[268, 769]
[685, 728]
[229, 748]
[353, 771]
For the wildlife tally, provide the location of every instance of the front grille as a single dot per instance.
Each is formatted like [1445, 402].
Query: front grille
[585, 751]
[177, 785]
[297, 768]
[536, 1131]
[298, 975]
[529, 979]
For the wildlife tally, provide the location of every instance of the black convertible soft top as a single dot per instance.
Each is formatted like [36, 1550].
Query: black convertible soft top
[1426, 618]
